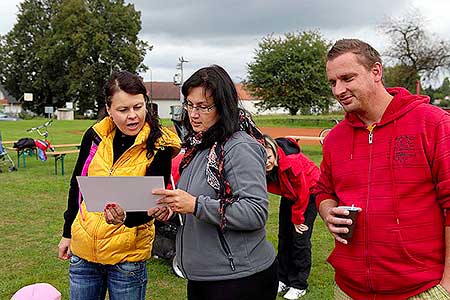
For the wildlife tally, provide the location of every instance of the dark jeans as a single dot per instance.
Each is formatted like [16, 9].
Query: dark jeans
[260, 286]
[294, 249]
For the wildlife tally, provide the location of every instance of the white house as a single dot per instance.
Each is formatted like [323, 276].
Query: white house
[248, 102]
[166, 95]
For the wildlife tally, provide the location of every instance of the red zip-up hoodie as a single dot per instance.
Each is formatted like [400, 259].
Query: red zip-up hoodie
[296, 175]
[399, 174]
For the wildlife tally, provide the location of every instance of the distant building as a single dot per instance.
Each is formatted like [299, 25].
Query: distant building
[167, 94]
[9, 102]
[164, 95]
[248, 102]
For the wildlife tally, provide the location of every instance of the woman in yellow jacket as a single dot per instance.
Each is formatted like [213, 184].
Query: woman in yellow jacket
[129, 141]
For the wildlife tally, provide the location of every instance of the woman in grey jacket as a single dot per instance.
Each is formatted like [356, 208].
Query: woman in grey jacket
[222, 197]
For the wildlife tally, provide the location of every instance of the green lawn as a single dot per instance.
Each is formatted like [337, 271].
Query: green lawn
[33, 201]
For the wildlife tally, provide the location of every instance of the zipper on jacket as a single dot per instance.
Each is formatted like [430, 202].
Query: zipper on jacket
[120, 161]
[181, 235]
[181, 249]
[370, 128]
[94, 248]
[226, 248]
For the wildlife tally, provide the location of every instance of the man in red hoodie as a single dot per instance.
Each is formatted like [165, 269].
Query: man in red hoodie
[390, 157]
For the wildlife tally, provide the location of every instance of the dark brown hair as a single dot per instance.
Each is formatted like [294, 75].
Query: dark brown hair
[215, 81]
[132, 84]
[365, 53]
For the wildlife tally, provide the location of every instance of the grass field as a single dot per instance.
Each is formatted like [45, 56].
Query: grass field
[33, 200]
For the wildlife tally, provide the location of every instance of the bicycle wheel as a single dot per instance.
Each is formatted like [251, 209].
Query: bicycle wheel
[323, 134]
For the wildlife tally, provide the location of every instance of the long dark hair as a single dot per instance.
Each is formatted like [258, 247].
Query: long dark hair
[133, 84]
[215, 82]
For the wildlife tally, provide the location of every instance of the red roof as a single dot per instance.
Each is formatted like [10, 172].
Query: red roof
[162, 90]
[169, 91]
[243, 93]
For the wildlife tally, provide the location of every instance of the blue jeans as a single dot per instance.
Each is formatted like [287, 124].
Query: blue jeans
[89, 281]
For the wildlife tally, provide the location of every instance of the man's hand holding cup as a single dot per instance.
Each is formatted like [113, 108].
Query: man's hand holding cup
[341, 222]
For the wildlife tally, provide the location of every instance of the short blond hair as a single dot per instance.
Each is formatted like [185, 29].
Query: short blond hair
[271, 144]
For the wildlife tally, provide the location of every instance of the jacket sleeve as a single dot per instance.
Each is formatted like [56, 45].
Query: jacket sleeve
[301, 203]
[303, 185]
[441, 164]
[72, 199]
[246, 172]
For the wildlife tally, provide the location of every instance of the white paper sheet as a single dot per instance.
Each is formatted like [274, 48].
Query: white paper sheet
[133, 193]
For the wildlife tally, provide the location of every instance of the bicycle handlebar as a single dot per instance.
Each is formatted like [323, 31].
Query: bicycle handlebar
[45, 125]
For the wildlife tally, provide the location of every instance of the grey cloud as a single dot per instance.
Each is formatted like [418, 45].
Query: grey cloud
[227, 32]
[211, 19]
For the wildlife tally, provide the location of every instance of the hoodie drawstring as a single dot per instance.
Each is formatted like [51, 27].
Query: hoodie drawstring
[353, 144]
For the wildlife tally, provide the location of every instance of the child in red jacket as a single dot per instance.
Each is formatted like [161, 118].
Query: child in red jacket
[291, 174]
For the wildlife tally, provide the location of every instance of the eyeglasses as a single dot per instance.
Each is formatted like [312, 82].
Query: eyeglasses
[201, 109]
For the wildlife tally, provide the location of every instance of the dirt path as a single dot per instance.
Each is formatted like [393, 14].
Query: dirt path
[283, 131]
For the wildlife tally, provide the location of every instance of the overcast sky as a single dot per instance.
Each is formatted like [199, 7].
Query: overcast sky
[227, 32]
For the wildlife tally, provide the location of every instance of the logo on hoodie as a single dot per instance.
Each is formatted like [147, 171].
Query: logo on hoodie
[404, 148]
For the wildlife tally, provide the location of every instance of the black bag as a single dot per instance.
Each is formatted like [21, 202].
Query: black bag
[164, 243]
[24, 143]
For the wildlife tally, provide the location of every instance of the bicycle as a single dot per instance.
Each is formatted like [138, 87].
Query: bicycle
[42, 144]
[324, 132]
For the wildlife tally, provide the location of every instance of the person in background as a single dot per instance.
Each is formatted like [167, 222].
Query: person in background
[291, 174]
[107, 251]
[390, 157]
[222, 196]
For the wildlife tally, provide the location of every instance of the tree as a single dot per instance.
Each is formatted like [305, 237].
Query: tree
[442, 92]
[289, 72]
[401, 75]
[414, 49]
[20, 68]
[80, 42]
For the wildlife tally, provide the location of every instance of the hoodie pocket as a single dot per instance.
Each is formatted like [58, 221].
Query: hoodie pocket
[403, 251]
[226, 248]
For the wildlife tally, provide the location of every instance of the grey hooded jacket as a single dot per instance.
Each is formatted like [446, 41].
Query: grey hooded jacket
[203, 253]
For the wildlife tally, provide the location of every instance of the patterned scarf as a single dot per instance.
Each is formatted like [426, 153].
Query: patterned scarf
[214, 167]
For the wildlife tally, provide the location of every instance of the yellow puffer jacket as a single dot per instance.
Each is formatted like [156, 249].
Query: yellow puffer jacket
[92, 238]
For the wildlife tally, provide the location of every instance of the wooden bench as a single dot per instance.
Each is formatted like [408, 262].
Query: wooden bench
[305, 138]
[66, 146]
[23, 152]
[57, 154]
[60, 155]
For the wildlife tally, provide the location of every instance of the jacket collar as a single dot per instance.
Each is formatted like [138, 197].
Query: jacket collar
[402, 103]
[106, 129]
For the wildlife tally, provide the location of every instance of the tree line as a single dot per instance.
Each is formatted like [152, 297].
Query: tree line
[64, 50]
[289, 72]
